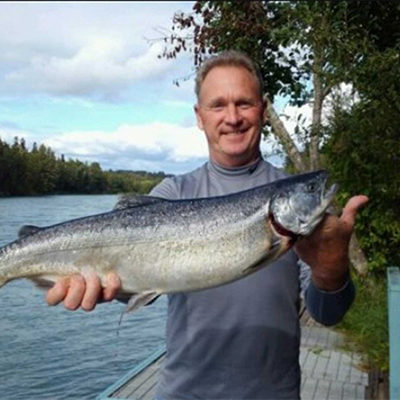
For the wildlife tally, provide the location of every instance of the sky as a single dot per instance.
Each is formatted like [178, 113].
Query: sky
[84, 78]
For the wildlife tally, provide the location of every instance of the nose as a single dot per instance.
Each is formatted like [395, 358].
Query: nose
[233, 116]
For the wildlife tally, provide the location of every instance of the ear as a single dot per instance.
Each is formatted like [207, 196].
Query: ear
[264, 110]
[199, 118]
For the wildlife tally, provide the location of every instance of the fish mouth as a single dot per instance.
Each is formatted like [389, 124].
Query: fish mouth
[326, 200]
[329, 194]
[281, 230]
[306, 223]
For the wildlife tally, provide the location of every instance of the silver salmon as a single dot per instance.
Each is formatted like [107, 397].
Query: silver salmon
[162, 246]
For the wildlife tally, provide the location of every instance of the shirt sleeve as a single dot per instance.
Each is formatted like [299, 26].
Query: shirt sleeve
[327, 308]
[167, 189]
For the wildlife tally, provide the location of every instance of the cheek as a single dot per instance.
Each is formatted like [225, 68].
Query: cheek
[211, 128]
[211, 134]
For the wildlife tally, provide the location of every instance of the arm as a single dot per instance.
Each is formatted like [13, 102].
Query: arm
[85, 292]
[330, 291]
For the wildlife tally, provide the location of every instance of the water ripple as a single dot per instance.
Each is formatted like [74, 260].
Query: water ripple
[50, 353]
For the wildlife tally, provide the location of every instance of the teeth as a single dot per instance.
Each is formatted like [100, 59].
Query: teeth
[234, 133]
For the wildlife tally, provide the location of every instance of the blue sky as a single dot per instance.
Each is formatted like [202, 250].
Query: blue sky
[84, 78]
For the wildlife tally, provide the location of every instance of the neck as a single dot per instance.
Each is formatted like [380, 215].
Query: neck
[251, 166]
[236, 162]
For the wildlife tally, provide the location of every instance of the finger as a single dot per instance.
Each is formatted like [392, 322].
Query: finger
[351, 208]
[58, 292]
[113, 284]
[92, 292]
[75, 293]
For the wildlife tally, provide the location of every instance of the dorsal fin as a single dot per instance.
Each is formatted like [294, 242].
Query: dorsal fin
[28, 230]
[131, 200]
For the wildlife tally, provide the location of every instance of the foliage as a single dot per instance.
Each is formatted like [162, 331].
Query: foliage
[304, 49]
[220, 25]
[39, 171]
[363, 152]
[363, 155]
[365, 324]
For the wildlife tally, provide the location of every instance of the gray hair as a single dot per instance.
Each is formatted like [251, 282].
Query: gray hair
[228, 58]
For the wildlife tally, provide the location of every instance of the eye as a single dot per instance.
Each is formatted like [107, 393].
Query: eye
[244, 104]
[312, 187]
[217, 105]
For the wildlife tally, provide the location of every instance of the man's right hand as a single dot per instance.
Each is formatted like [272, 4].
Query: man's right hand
[77, 291]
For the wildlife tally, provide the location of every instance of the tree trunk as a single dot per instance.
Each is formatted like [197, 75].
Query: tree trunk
[316, 122]
[357, 257]
[283, 135]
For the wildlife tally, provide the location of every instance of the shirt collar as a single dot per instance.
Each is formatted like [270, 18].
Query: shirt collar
[234, 171]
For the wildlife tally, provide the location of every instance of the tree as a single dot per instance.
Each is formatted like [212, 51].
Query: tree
[305, 49]
[363, 151]
[42, 174]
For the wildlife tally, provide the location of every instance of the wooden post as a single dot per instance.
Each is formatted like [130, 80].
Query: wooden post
[393, 274]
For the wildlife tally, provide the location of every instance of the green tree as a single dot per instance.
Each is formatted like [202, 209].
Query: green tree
[5, 160]
[42, 174]
[18, 168]
[305, 49]
[363, 152]
[24, 172]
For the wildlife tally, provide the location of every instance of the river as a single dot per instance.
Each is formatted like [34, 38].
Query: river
[49, 352]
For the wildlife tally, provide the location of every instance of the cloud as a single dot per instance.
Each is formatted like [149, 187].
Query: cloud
[82, 49]
[153, 147]
[8, 132]
[100, 68]
[157, 146]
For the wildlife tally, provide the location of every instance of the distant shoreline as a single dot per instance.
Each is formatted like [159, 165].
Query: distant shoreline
[38, 171]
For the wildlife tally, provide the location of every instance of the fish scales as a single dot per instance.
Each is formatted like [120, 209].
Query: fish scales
[162, 253]
[163, 246]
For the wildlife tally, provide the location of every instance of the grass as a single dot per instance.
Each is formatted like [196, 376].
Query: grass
[366, 323]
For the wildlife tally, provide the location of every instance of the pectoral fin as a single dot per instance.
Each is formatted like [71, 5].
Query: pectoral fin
[140, 299]
[43, 282]
[137, 300]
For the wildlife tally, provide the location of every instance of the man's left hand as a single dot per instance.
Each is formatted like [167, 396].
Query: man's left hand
[326, 249]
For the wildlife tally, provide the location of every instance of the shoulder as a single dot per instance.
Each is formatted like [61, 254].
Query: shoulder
[180, 186]
[273, 173]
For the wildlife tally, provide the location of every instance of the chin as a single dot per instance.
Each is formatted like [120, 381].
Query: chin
[237, 150]
[238, 158]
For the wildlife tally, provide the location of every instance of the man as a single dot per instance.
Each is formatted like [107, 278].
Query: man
[240, 340]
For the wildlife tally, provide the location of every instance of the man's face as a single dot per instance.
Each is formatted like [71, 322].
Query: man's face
[231, 113]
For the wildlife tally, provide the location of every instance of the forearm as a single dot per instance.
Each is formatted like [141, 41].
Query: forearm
[329, 307]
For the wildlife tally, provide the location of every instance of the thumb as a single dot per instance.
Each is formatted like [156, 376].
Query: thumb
[351, 208]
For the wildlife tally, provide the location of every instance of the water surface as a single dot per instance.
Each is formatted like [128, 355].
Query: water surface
[49, 352]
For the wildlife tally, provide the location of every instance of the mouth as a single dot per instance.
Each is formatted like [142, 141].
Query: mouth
[283, 231]
[330, 193]
[326, 200]
[239, 131]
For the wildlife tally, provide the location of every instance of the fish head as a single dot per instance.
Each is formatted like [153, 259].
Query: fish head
[300, 203]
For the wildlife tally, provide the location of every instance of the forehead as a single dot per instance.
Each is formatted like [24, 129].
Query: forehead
[229, 81]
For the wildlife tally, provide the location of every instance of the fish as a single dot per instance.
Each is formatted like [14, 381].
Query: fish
[159, 246]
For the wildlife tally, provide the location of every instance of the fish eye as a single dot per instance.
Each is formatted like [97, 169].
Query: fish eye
[312, 187]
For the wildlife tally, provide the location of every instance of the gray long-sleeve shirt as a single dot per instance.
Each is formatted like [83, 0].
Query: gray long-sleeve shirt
[240, 340]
